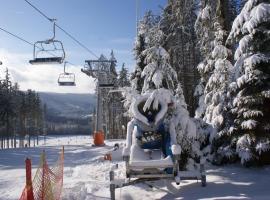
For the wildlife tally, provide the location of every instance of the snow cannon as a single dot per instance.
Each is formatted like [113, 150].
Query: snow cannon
[152, 152]
[98, 138]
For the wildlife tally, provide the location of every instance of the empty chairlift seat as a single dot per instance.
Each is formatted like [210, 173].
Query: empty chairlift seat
[66, 79]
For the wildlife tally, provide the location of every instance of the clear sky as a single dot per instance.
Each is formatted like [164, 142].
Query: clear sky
[101, 25]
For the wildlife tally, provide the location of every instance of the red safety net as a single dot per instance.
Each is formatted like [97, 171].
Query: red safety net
[48, 182]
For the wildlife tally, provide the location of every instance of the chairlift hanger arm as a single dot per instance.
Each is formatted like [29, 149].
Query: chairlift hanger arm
[53, 37]
[65, 67]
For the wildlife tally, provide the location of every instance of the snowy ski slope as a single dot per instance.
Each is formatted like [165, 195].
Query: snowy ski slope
[86, 175]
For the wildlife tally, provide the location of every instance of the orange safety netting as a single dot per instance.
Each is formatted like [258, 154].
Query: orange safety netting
[48, 182]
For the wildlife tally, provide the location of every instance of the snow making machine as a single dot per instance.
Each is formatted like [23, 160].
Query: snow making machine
[151, 152]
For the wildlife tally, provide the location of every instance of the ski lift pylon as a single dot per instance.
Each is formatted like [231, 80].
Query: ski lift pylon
[53, 50]
[66, 79]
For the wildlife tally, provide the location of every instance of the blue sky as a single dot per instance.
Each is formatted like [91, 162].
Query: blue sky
[101, 25]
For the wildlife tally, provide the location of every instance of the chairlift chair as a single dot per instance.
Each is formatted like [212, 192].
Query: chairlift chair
[49, 51]
[66, 79]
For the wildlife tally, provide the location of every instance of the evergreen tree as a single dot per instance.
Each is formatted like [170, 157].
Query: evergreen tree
[216, 99]
[144, 40]
[19, 113]
[205, 34]
[251, 104]
[123, 79]
[206, 28]
[213, 22]
[7, 110]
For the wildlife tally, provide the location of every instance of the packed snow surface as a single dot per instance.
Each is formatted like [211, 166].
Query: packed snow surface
[86, 175]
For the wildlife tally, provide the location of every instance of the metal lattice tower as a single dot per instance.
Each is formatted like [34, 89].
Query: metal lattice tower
[103, 70]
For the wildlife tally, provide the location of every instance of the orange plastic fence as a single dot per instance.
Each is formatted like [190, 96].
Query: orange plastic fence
[99, 138]
[48, 182]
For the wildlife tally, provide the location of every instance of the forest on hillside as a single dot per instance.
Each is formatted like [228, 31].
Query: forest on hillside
[27, 115]
[21, 115]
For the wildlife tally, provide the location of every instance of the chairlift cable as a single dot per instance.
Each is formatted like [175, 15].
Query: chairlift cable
[68, 34]
[16, 36]
[20, 38]
[38, 11]
[77, 41]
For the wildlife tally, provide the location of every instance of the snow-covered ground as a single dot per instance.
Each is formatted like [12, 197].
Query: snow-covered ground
[86, 175]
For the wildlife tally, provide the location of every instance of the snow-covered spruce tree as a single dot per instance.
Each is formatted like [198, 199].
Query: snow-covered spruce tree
[123, 79]
[251, 134]
[213, 21]
[205, 35]
[216, 98]
[143, 41]
[205, 31]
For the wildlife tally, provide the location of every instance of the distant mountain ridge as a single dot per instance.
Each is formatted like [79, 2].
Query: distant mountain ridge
[69, 105]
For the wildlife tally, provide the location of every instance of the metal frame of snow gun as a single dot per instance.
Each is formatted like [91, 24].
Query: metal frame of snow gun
[153, 174]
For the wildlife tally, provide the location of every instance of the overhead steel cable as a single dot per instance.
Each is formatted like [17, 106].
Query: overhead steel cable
[16, 36]
[77, 41]
[68, 34]
[39, 11]
[24, 40]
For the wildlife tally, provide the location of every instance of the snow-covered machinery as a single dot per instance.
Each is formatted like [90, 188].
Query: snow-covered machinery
[151, 152]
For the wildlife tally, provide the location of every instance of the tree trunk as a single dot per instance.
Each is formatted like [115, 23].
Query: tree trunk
[29, 140]
[2, 142]
[15, 142]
